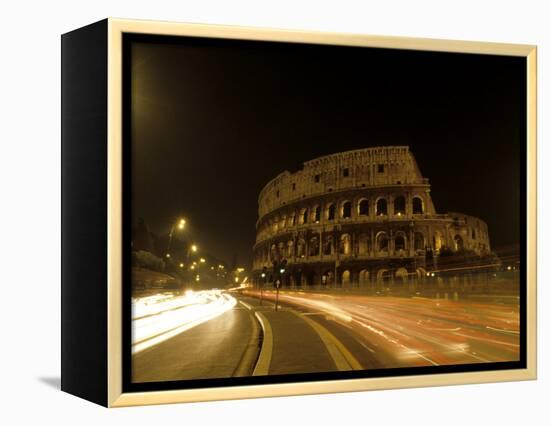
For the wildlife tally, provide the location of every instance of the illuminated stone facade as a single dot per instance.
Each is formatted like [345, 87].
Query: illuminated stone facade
[357, 218]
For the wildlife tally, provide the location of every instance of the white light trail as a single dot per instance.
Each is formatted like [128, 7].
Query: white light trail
[158, 318]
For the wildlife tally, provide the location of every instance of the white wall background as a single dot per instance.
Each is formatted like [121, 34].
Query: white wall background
[30, 210]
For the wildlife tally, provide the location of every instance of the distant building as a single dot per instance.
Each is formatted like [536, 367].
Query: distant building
[357, 218]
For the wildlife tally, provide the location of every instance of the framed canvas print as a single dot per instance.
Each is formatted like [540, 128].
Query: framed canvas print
[254, 212]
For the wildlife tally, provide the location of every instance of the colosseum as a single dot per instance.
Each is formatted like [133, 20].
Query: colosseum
[357, 218]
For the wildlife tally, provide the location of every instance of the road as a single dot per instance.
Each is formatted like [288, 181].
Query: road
[218, 334]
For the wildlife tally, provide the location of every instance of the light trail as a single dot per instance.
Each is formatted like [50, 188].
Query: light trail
[158, 318]
[419, 331]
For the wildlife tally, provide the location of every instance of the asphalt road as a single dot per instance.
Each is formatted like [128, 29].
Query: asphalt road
[316, 332]
[212, 349]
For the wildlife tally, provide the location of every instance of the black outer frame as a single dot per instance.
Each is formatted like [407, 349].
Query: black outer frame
[128, 386]
[84, 212]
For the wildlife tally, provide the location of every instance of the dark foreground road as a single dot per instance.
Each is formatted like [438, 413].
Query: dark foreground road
[225, 335]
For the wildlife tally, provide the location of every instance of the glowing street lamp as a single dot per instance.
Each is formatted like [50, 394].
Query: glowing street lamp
[181, 225]
[194, 248]
[181, 265]
[202, 260]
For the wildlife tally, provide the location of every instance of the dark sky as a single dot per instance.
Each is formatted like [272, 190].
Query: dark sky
[213, 121]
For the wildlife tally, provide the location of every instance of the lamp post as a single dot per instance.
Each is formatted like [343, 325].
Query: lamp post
[180, 224]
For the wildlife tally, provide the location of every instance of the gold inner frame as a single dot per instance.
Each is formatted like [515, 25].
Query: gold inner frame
[116, 28]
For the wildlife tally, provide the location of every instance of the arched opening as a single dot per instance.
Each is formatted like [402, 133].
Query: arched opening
[383, 276]
[303, 216]
[401, 276]
[382, 242]
[459, 243]
[363, 244]
[418, 205]
[473, 234]
[437, 240]
[418, 241]
[327, 246]
[400, 243]
[281, 249]
[301, 248]
[399, 206]
[346, 278]
[297, 277]
[314, 246]
[317, 214]
[345, 244]
[381, 207]
[282, 223]
[293, 219]
[331, 211]
[290, 249]
[346, 209]
[327, 278]
[363, 277]
[273, 253]
[364, 207]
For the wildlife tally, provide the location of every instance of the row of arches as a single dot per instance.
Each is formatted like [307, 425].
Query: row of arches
[350, 278]
[347, 209]
[363, 244]
[346, 245]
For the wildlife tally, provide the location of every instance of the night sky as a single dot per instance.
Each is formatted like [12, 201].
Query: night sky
[213, 121]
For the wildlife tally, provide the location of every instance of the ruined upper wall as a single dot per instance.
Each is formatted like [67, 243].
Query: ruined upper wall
[368, 167]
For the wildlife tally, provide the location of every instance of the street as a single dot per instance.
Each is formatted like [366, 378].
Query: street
[214, 334]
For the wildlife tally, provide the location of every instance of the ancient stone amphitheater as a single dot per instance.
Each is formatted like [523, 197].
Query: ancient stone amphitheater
[357, 218]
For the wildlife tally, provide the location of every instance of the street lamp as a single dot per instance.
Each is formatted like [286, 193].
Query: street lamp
[181, 225]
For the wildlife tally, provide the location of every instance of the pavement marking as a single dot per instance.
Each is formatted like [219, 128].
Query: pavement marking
[264, 359]
[342, 357]
[246, 363]
[246, 305]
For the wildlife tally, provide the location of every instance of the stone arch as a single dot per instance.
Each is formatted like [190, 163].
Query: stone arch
[419, 243]
[383, 275]
[437, 242]
[382, 242]
[345, 244]
[363, 276]
[363, 207]
[314, 245]
[363, 244]
[290, 249]
[400, 242]
[303, 216]
[421, 273]
[345, 212]
[327, 245]
[399, 205]
[317, 214]
[328, 278]
[459, 243]
[301, 248]
[330, 212]
[401, 276]
[346, 278]
[281, 249]
[381, 207]
[292, 219]
[418, 205]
